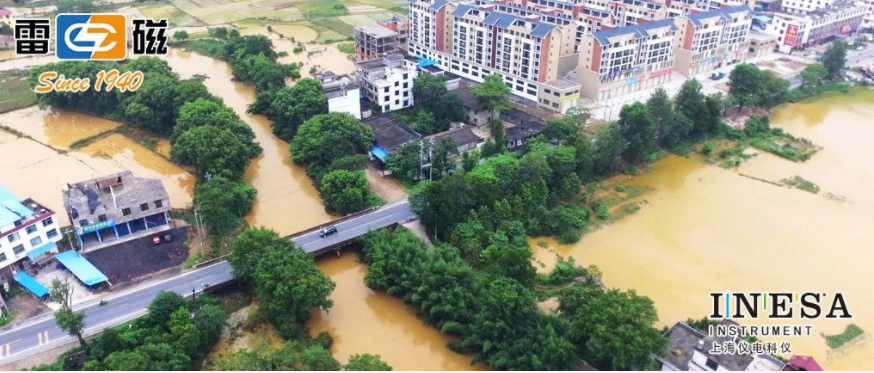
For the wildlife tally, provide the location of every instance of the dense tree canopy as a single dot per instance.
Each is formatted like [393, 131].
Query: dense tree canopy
[366, 362]
[222, 203]
[293, 106]
[638, 129]
[492, 93]
[344, 191]
[835, 58]
[327, 137]
[286, 280]
[214, 151]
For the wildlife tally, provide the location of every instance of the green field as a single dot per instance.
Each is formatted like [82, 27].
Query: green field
[15, 93]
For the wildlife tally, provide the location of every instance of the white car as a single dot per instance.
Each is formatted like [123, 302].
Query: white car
[860, 48]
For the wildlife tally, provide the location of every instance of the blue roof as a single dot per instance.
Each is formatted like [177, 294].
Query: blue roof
[762, 18]
[30, 284]
[638, 30]
[11, 208]
[81, 267]
[438, 4]
[379, 152]
[505, 20]
[425, 62]
[32, 254]
[697, 17]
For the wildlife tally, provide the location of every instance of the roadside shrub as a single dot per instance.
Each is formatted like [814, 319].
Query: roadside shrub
[707, 148]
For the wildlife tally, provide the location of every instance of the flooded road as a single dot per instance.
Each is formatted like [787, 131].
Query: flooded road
[365, 321]
[707, 229]
[287, 201]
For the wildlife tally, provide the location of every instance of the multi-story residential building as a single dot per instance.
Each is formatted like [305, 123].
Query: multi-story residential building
[475, 41]
[801, 29]
[342, 92]
[623, 60]
[868, 21]
[388, 81]
[709, 40]
[28, 232]
[692, 350]
[116, 207]
[375, 41]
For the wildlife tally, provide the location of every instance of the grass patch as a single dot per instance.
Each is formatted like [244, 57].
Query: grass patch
[322, 9]
[83, 142]
[799, 182]
[5, 320]
[784, 145]
[16, 94]
[346, 48]
[207, 47]
[193, 260]
[807, 92]
[838, 340]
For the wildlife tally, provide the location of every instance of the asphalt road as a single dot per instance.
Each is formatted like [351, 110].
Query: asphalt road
[42, 333]
[860, 58]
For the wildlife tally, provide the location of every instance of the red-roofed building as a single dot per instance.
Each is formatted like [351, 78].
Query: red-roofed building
[804, 363]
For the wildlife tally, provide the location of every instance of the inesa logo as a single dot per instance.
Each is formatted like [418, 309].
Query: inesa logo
[809, 305]
[91, 36]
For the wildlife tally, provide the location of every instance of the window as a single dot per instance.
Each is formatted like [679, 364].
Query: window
[13, 237]
[47, 222]
[53, 232]
[101, 217]
[125, 211]
[18, 249]
[159, 203]
[144, 207]
[2, 258]
[35, 241]
[712, 364]
[397, 84]
[385, 89]
[406, 85]
[30, 229]
[406, 75]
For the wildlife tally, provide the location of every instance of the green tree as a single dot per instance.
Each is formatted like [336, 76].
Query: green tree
[448, 109]
[209, 321]
[164, 305]
[180, 35]
[72, 323]
[206, 112]
[428, 89]
[222, 203]
[638, 129]
[250, 246]
[714, 104]
[744, 82]
[424, 122]
[690, 103]
[609, 146]
[344, 191]
[440, 161]
[404, 162]
[492, 93]
[366, 362]
[757, 125]
[218, 32]
[676, 128]
[614, 328]
[212, 150]
[290, 287]
[813, 74]
[504, 258]
[293, 106]
[327, 137]
[559, 129]
[834, 58]
[5, 29]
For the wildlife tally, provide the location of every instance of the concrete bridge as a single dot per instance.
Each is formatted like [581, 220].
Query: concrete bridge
[40, 333]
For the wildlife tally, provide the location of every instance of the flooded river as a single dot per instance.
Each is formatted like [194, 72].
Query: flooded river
[287, 201]
[364, 321]
[361, 321]
[707, 229]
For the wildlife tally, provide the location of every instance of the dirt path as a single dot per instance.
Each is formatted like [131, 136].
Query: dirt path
[386, 188]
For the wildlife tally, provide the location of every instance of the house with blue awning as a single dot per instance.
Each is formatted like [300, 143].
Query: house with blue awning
[28, 233]
[390, 135]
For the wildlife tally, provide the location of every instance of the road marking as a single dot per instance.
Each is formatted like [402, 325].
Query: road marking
[42, 338]
[5, 350]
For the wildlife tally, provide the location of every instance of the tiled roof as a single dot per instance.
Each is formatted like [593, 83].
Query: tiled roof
[724, 13]
[11, 208]
[638, 30]
[505, 20]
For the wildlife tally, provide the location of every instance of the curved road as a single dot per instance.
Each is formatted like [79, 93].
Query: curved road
[41, 333]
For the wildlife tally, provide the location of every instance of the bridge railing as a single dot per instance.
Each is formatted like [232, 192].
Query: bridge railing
[333, 222]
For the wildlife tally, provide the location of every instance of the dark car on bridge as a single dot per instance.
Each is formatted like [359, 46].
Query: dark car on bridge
[328, 231]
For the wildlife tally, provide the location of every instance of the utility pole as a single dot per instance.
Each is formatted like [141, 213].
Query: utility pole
[199, 227]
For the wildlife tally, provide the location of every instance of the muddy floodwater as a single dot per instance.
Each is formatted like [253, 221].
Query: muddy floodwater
[361, 320]
[364, 321]
[287, 201]
[707, 229]
[38, 163]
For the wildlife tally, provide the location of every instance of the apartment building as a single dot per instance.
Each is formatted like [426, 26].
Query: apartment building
[28, 232]
[342, 92]
[622, 60]
[398, 24]
[473, 41]
[388, 81]
[868, 21]
[710, 40]
[810, 27]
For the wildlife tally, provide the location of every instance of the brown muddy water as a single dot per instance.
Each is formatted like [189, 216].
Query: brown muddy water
[707, 229]
[361, 320]
[365, 321]
[38, 164]
[287, 201]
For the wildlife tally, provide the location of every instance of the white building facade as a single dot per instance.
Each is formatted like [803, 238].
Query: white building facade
[28, 230]
[800, 30]
[388, 82]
